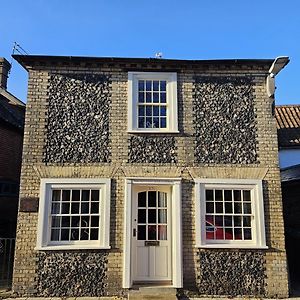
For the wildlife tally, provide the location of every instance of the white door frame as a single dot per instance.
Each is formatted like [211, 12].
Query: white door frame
[175, 184]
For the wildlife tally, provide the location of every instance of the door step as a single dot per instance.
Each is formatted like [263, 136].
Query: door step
[153, 293]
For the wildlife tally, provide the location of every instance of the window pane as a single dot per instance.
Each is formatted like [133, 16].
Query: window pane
[75, 221]
[163, 111]
[148, 97]
[148, 122]
[94, 207]
[227, 195]
[142, 97]
[141, 122]
[141, 110]
[247, 208]
[209, 195]
[155, 97]
[55, 222]
[237, 221]
[218, 195]
[238, 234]
[148, 85]
[56, 195]
[237, 195]
[163, 84]
[85, 196]
[95, 195]
[85, 221]
[65, 221]
[94, 234]
[74, 234]
[228, 234]
[155, 110]
[155, 85]
[55, 208]
[65, 234]
[219, 221]
[209, 207]
[163, 123]
[155, 122]
[219, 207]
[84, 234]
[141, 85]
[66, 195]
[163, 98]
[151, 199]
[246, 195]
[237, 208]
[228, 207]
[75, 195]
[55, 235]
[247, 221]
[65, 208]
[94, 221]
[75, 208]
[151, 232]
[247, 234]
[148, 111]
[85, 207]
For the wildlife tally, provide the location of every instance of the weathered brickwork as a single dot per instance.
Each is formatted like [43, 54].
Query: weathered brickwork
[181, 160]
[144, 149]
[224, 120]
[78, 119]
[231, 273]
[76, 274]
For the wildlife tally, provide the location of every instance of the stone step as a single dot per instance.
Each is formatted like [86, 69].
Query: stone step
[153, 293]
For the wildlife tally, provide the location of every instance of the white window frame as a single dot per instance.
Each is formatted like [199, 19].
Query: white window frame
[171, 101]
[43, 233]
[258, 225]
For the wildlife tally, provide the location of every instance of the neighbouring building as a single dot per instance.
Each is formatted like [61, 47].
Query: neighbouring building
[141, 172]
[288, 127]
[12, 112]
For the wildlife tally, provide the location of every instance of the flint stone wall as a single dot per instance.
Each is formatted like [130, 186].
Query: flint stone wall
[224, 120]
[145, 149]
[231, 273]
[78, 119]
[76, 274]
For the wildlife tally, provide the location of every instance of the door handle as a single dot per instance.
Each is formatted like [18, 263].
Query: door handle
[134, 232]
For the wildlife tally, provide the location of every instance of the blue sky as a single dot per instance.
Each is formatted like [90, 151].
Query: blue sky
[190, 29]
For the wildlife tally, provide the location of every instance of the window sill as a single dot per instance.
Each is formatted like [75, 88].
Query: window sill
[152, 131]
[72, 247]
[232, 246]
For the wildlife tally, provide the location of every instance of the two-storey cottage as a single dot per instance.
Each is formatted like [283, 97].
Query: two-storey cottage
[141, 172]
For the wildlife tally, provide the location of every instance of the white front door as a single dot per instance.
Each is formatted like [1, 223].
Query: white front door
[151, 234]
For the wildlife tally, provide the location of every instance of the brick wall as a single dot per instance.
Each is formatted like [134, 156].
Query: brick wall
[119, 167]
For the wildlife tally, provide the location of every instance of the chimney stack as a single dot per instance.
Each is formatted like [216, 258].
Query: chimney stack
[4, 69]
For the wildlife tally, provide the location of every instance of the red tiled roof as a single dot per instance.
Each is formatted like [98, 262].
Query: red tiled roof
[288, 125]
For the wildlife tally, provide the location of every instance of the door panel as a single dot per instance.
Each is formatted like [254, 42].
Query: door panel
[151, 233]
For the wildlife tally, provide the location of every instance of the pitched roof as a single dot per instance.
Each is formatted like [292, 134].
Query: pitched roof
[290, 173]
[12, 110]
[288, 125]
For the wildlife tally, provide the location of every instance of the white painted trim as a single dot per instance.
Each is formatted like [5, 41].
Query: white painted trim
[175, 184]
[43, 232]
[172, 110]
[259, 239]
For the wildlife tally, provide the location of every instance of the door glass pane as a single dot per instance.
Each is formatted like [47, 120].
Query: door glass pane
[151, 215]
[162, 199]
[142, 216]
[141, 234]
[151, 199]
[151, 232]
[142, 199]
[162, 216]
[162, 232]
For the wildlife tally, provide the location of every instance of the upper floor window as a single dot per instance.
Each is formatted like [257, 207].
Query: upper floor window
[152, 102]
[229, 213]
